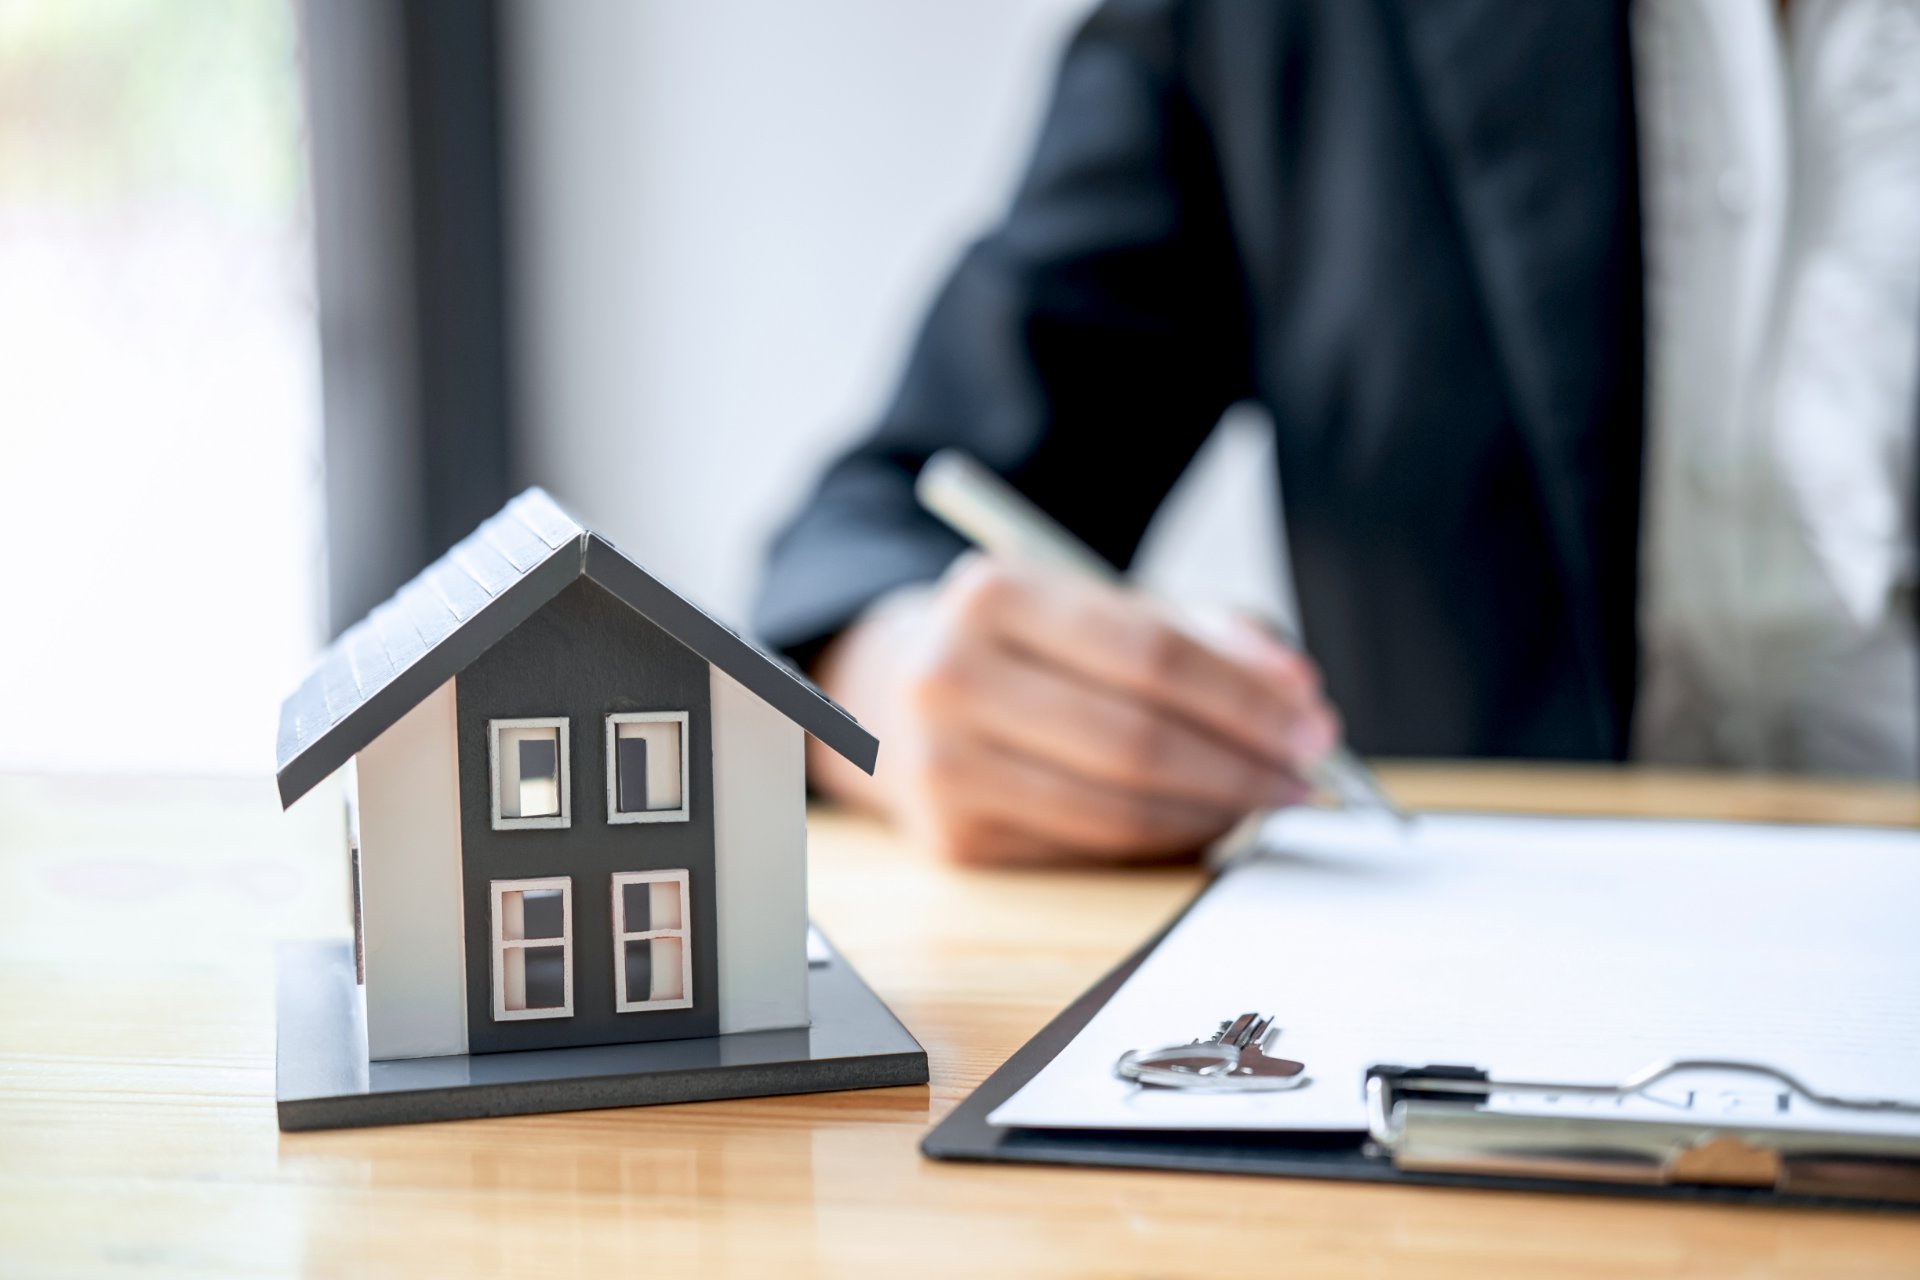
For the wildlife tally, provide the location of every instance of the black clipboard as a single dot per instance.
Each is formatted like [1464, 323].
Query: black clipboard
[965, 1135]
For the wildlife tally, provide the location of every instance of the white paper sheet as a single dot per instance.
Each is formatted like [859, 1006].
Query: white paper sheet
[1539, 948]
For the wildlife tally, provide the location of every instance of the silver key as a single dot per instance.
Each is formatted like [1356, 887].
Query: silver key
[1233, 1059]
[1253, 1035]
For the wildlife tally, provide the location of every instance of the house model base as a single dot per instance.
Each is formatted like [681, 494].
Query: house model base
[325, 1080]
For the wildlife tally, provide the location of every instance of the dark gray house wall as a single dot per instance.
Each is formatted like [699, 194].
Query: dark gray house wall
[584, 655]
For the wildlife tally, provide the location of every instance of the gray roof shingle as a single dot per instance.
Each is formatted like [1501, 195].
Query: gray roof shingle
[462, 604]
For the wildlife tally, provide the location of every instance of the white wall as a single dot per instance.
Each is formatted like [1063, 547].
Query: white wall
[729, 216]
[760, 860]
[410, 884]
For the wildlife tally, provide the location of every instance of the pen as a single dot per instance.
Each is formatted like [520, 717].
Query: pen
[982, 507]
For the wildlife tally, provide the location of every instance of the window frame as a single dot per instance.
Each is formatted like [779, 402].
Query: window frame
[548, 823]
[617, 718]
[621, 937]
[496, 893]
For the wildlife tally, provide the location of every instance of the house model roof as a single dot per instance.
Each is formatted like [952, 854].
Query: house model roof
[471, 598]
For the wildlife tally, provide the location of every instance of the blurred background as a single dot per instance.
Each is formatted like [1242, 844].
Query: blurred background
[293, 293]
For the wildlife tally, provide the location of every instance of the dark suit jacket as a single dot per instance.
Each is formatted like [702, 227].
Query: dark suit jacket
[1409, 228]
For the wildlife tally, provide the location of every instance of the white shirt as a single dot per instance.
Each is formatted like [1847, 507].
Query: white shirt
[1780, 176]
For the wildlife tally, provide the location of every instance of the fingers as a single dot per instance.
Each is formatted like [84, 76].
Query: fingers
[1268, 705]
[1004, 696]
[1033, 718]
[999, 805]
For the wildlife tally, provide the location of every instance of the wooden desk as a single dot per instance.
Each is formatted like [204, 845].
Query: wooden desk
[136, 1103]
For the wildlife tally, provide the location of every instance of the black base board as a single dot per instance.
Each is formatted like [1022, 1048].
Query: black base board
[324, 1080]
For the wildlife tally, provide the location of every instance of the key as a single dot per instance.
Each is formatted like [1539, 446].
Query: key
[1234, 1058]
[1235, 1032]
[1254, 1041]
[1252, 1034]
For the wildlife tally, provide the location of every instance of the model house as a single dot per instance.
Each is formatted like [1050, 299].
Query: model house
[580, 801]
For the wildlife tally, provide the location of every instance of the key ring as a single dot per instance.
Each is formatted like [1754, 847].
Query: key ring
[1212, 1062]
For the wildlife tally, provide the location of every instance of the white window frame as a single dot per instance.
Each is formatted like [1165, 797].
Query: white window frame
[565, 819]
[621, 938]
[618, 718]
[501, 945]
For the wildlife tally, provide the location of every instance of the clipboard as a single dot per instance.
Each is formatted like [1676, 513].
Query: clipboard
[966, 1135]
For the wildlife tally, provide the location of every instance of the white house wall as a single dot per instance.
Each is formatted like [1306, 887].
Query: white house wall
[760, 855]
[410, 885]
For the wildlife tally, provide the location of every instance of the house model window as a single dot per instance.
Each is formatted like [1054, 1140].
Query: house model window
[653, 958]
[647, 766]
[532, 949]
[530, 773]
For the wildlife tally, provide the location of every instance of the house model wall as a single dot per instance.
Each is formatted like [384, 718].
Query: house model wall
[580, 802]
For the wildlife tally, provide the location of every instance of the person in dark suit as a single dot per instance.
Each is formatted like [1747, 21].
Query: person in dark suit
[1412, 230]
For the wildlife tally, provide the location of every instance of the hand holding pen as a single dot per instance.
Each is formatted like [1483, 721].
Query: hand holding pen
[1035, 713]
[981, 506]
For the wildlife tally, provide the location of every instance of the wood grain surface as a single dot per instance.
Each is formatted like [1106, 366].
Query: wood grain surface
[137, 1131]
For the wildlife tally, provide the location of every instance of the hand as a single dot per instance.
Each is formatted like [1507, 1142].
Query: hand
[1028, 716]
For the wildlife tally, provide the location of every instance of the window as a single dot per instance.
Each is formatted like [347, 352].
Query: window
[532, 949]
[529, 762]
[652, 956]
[647, 766]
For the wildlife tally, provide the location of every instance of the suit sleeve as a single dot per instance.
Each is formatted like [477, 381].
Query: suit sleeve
[1083, 349]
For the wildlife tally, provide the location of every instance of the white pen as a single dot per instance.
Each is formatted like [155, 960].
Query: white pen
[984, 508]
